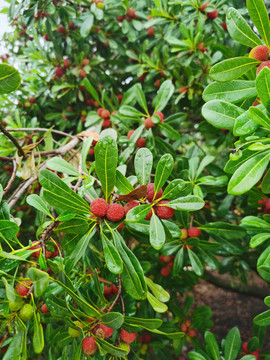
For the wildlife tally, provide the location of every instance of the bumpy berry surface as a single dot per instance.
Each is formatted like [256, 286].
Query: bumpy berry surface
[165, 272]
[140, 143]
[99, 207]
[194, 232]
[164, 212]
[89, 345]
[151, 191]
[260, 53]
[104, 332]
[115, 212]
[130, 205]
[263, 65]
[128, 337]
[148, 123]
[212, 14]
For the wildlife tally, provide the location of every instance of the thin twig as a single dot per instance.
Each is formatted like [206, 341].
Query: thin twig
[46, 235]
[15, 142]
[13, 176]
[123, 305]
[43, 130]
[118, 294]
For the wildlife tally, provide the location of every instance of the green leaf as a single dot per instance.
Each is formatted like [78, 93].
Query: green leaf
[87, 24]
[112, 257]
[111, 349]
[258, 239]
[232, 69]
[157, 305]
[60, 165]
[89, 87]
[174, 189]
[40, 280]
[189, 203]
[12, 294]
[233, 91]
[193, 355]
[77, 225]
[211, 345]
[122, 183]
[157, 233]
[195, 263]
[248, 174]
[224, 230]
[149, 324]
[143, 163]
[113, 320]
[263, 88]
[221, 114]
[138, 213]
[244, 124]
[15, 347]
[266, 183]
[130, 112]
[8, 228]
[58, 194]
[106, 156]
[157, 290]
[169, 131]
[178, 262]
[141, 98]
[36, 202]
[10, 79]
[232, 344]
[240, 30]
[57, 306]
[262, 319]
[258, 14]
[165, 92]
[163, 171]
[38, 337]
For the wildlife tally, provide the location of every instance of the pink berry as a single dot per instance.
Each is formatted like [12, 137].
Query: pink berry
[99, 207]
[115, 212]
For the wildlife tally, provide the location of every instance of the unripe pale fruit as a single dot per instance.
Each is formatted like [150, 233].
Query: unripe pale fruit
[148, 123]
[26, 312]
[125, 347]
[103, 332]
[15, 306]
[89, 345]
[166, 259]
[165, 271]
[260, 53]
[75, 332]
[99, 207]
[263, 65]
[184, 234]
[164, 212]
[130, 205]
[194, 232]
[212, 14]
[151, 191]
[115, 212]
[128, 337]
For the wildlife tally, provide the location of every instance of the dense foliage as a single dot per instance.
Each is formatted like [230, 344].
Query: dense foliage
[135, 153]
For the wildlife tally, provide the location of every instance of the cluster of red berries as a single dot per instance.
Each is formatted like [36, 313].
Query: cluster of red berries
[23, 287]
[191, 232]
[212, 15]
[100, 208]
[131, 14]
[105, 115]
[148, 122]
[21, 208]
[89, 345]
[255, 353]
[110, 290]
[141, 142]
[61, 69]
[186, 329]
[168, 260]
[261, 53]
[48, 254]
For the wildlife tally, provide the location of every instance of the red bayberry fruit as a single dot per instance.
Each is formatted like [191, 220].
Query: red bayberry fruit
[119, 98]
[105, 114]
[165, 271]
[83, 119]
[149, 215]
[147, 338]
[263, 65]
[188, 323]
[201, 47]
[82, 73]
[85, 62]
[142, 77]
[120, 18]
[71, 25]
[164, 212]
[115, 212]
[151, 32]
[129, 134]
[59, 72]
[260, 53]
[106, 123]
[140, 143]
[46, 37]
[23, 287]
[166, 258]
[244, 347]
[183, 328]
[204, 6]
[66, 63]
[32, 100]
[103, 332]
[44, 309]
[89, 345]
[194, 232]
[130, 205]
[151, 191]
[128, 337]
[61, 29]
[132, 13]
[99, 111]
[160, 115]
[157, 83]
[148, 123]
[99, 207]
[212, 14]
[120, 226]
[191, 333]
[183, 90]
[52, 254]
[224, 25]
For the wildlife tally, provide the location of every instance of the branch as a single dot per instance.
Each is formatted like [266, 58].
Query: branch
[46, 234]
[43, 130]
[15, 142]
[118, 294]
[12, 177]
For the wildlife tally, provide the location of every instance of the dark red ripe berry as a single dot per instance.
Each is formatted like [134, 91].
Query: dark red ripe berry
[61, 29]
[23, 288]
[165, 272]
[127, 337]
[32, 100]
[106, 123]
[66, 63]
[130, 133]
[132, 13]
[103, 332]
[140, 143]
[99, 207]
[89, 345]
[82, 73]
[120, 18]
[119, 98]
[147, 338]
[71, 25]
[191, 333]
[151, 32]
[44, 309]
[59, 72]
[99, 111]
[183, 328]
[188, 323]
[204, 6]
[85, 62]
[149, 215]
[212, 15]
[130, 205]
[194, 232]
[158, 83]
[120, 226]
[166, 259]
[224, 25]
[114, 289]
[164, 212]
[46, 37]
[151, 191]
[115, 212]
[105, 114]
[161, 258]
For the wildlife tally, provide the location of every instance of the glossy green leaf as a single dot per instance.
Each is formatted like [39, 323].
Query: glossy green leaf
[266, 183]
[149, 324]
[106, 156]
[248, 174]
[193, 355]
[169, 131]
[262, 319]
[263, 87]
[122, 183]
[143, 163]
[163, 171]
[232, 344]
[174, 189]
[240, 30]
[60, 165]
[38, 337]
[12, 294]
[157, 290]
[57, 306]
[10, 79]
[157, 232]
[87, 24]
[195, 263]
[89, 87]
[141, 97]
[189, 203]
[112, 257]
[245, 124]
[165, 92]
[232, 69]
[138, 213]
[225, 230]
[111, 349]
[8, 229]
[178, 262]
[258, 14]
[258, 239]
[15, 347]
[36, 202]
[113, 320]
[211, 345]
[157, 305]
[40, 280]
[221, 114]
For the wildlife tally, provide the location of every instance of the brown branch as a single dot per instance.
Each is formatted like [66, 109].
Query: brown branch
[15, 142]
[123, 306]
[118, 294]
[13, 176]
[43, 130]
[3, 339]
[46, 235]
